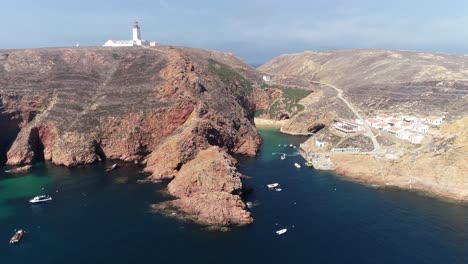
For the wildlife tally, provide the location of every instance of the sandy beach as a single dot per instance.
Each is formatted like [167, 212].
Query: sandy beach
[260, 122]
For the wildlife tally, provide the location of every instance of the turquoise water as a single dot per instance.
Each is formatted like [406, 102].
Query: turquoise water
[99, 217]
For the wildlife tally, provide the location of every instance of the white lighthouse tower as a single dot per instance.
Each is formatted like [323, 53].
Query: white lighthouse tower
[136, 40]
[136, 33]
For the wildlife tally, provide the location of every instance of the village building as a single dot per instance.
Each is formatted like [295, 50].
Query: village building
[403, 134]
[434, 120]
[420, 128]
[136, 41]
[409, 119]
[348, 127]
[384, 117]
[403, 125]
[373, 122]
[392, 121]
[320, 144]
[266, 78]
[392, 129]
[382, 126]
[415, 138]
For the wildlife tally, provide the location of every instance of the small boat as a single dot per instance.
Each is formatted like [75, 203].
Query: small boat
[249, 204]
[112, 168]
[283, 157]
[278, 189]
[309, 163]
[282, 231]
[272, 185]
[17, 237]
[41, 199]
[291, 145]
[294, 146]
[297, 165]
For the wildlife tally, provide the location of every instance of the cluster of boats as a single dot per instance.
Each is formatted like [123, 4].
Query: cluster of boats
[274, 186]
[16, 238]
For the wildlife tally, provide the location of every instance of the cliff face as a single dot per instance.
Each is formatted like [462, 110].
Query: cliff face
[159, 105]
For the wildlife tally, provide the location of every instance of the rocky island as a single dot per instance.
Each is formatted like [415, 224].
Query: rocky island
[182, 112]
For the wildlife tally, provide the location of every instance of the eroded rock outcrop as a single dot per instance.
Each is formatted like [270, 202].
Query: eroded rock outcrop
[208, 189]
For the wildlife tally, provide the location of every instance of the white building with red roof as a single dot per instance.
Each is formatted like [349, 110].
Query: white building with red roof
[434, 120]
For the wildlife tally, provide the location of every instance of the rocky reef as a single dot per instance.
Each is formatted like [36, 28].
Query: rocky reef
[164, 107]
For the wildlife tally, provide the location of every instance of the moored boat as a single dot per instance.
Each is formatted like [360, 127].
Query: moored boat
[297, 165]
[283, 157]
[309, 163]
[281, 231]
[16, 238]
[41, 199]
[272, 185]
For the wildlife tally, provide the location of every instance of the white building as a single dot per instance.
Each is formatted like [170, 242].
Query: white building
[403, 134]
[410, 119]
[404, 124]
[135, 41]
[267, 78]
[393, 130]
[415, 138]
[383, 117]
[434, 120]
[348, 127]
[373, 122]
[420, 128]
[320, 144]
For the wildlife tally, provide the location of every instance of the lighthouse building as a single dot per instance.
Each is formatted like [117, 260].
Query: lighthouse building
[135, 41]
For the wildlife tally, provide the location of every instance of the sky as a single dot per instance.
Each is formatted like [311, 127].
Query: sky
[255, 30]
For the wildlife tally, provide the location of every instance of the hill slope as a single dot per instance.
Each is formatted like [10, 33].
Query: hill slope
[400, 81]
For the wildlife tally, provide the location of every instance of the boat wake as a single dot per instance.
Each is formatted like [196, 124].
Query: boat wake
[288, 155]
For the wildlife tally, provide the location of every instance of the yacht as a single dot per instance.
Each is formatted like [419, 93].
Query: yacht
[17, 237]
[41, 199]
[282, 231]
[272, 185]
[297, 165]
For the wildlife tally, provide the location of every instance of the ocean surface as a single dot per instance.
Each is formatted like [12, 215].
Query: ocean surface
[99, 217]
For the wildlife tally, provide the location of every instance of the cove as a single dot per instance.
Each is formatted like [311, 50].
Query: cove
[99, 217]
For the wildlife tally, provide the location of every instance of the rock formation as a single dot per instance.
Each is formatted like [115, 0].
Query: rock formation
[160, 106]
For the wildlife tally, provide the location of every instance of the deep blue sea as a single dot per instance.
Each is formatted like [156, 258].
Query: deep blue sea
[99, 217]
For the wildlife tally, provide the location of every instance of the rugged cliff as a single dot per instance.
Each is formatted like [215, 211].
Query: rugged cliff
[159, 106]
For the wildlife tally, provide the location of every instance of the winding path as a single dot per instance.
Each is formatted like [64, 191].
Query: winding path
[369, 132]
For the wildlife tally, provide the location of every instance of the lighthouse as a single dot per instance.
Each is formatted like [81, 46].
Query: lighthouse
[136, 33]
[136, 40]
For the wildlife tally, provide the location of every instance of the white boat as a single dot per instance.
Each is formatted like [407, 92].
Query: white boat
[283, 157]
[282, 231]
[41, 199]
[297, 165]
[294, 146]
[272, 185]
[291, 145]
[278, 189]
